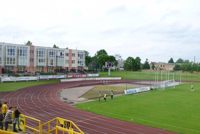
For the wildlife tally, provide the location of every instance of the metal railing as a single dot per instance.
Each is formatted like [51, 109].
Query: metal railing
[55, 126]
[58, 124]
[26, 120]
[6, 132]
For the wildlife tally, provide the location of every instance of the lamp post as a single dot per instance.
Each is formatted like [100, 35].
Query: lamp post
[108, 71]
[126, 79]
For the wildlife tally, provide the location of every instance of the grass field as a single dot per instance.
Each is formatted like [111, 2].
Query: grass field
[176, 109]
[145, 75]
[106, 89]
[13, 86]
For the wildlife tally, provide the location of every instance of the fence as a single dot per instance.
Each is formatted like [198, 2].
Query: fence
[45, 77]
[83, 79]
[58, 125]
[160, 85]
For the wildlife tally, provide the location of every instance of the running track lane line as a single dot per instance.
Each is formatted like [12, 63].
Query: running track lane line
[43, 102]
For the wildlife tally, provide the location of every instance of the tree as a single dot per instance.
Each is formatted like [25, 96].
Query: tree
[112, 59]
[29, 43]
[171, 60]
[88, 60]
[186, 61]
[180, 60]
[186, 66]
[152, 66]
[100, 52]
[146, 64]
[86, 53]
[101, 60]
[101, 57]
[132, 64]
[177, 67]
[93, 64]
[54, 46]
[137, 65]
[128, 63]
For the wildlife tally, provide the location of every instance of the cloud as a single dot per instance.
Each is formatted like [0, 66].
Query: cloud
[119, 9]
[153, 29]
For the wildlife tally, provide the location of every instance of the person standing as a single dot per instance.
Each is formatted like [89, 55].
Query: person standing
[16, 120]
[1, 120]
[111, 94]
[4, 109]
[0, 104]
[8, 118]
[104, 97]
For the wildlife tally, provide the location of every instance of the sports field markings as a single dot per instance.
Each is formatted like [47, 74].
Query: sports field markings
[88, 119]
[40, 95]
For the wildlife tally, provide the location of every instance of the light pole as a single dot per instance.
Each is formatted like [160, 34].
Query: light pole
[126, 79]
[108, 71]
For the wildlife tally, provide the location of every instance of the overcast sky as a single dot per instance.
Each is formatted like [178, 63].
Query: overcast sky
[153, 29]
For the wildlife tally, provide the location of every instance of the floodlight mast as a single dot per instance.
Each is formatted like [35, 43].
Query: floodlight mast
[126, 79]
[108, 71]
[109, 64]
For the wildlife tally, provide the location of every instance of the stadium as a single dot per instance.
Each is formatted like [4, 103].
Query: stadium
[45, 112]
[99, 67]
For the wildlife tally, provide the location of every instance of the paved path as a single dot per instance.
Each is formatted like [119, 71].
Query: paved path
[72, 95]
[43, 102]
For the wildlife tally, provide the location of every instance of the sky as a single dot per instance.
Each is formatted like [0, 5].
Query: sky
[152, 29]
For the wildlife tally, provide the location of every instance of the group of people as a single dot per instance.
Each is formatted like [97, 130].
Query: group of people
[105, 95]
[9, 115]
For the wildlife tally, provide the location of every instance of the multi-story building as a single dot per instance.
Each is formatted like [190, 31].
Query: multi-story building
[10, 58]
[162, 66]
[1, 58]
[120, 62]
[31, 59]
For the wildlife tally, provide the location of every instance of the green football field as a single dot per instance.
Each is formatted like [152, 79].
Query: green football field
[176, 109]
[148, 75]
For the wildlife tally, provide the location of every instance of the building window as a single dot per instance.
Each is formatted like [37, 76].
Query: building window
[51, 62]
[73, 54]
[11, 51]
[52, 54]
[80, 56]
[60, 54]
[23, 51]
[80, 63]
[73, 61]
[41, 60]
[10, 61]
[41, 52]
[66, 54]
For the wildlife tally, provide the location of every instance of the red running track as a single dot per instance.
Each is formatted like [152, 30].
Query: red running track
[43, 102]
